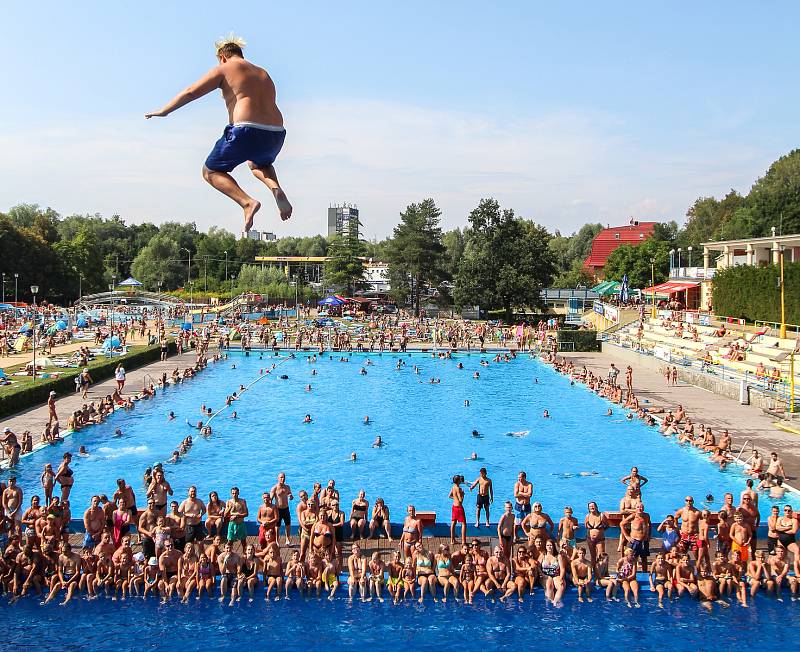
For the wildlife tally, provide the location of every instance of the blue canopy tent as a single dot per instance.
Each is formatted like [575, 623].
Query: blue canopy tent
[81, 323]
[111, 342]
[129, 282]
[61, 325]
[24, 328]
[331, 300]
[186, 326]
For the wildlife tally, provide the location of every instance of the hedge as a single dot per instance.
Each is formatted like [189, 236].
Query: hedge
[13, 400]
[753, 293]
[584, 340]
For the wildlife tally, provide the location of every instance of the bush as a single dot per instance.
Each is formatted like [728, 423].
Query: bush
[753, 293]
[16, 399]
[583, 340]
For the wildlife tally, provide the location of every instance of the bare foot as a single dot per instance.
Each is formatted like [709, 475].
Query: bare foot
[249, 213]
[284, 207]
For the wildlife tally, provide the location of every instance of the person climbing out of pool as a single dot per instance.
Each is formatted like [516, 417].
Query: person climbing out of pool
[255, 133]
[485, 496]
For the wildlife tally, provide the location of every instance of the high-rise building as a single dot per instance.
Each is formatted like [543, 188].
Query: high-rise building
[343, 220]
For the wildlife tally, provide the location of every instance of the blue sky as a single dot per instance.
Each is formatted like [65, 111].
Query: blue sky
[566, 112]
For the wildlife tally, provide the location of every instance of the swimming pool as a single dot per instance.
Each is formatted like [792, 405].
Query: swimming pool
[575, 456]
[310, 624]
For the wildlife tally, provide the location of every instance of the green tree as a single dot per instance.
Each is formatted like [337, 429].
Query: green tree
[345, 267]
[573, 277]
[158, 265]
[81, 256]
[454, 250]
[416, 253]
[506, 261]
[635, 262]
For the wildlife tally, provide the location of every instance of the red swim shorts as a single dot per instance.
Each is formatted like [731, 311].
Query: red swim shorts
[457, 514]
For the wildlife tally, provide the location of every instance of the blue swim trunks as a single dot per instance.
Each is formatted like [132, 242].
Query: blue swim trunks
[246, 141]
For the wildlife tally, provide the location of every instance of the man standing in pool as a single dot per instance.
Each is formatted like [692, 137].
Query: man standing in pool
[485, 496]
[254, 133]
[282, 493]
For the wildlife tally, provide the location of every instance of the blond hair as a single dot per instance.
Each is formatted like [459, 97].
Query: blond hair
[230, 46]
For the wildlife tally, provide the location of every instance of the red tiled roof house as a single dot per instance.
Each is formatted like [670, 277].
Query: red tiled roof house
[609, 239]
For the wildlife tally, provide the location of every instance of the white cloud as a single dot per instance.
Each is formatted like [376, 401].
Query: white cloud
[562, 168]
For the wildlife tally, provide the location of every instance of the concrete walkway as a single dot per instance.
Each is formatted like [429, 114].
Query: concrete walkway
[744, 422]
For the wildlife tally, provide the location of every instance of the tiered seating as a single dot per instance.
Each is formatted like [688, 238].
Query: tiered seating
[772, 352]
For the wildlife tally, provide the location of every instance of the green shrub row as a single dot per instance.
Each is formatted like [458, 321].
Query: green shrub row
[753, 293]
[16, 399]
[584, 340]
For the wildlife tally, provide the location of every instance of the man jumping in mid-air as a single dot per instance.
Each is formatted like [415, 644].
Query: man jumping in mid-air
[255, 131]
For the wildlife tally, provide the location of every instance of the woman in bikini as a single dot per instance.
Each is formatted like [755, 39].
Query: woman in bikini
[520, 575]
[596, 525]
[535, 524]
[426, 578]
[409, 576]
[248, 571]
[553, 573]
[412, 532]
[444, 571]
[358, 516]
[64, 476]
[214, 514]
[467, 578]
[322, 538]
[626, 576]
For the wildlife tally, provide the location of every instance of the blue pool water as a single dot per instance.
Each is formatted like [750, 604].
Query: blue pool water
[426, 429]
[310, 624]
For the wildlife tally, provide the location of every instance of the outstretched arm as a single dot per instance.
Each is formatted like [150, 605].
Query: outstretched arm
[203, 86]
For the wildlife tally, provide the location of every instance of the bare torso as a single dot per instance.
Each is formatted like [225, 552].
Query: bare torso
[249, 93]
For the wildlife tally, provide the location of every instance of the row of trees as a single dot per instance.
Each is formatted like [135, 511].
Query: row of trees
[498, 261]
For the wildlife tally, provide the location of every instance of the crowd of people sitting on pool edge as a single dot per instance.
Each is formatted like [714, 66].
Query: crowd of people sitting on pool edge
[673, 423]
[192, 547]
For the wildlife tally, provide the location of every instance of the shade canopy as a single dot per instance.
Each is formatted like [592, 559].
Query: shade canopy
[332, 300]
[129, 282]
[606, 288]
[668, 289]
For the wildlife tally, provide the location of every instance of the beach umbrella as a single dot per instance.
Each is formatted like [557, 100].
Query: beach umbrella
[111, 342]
[52, 330]
[81, 323]
[61, 325]
[26, 327]
[623, 289]
[186, 326]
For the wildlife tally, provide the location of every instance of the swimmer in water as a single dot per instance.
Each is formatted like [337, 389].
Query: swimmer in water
[472, 458]
[477, 435]
[466, 402]
[170, 416]
[199, 425]
[459, 366]
[536, 381]
[363, 371]
[476, 375]
[83, 452]
[233, 366]
[307, 419]
[366, 420]
[308, 388]
[545, 415]
[378, 442]
[176, 457]
[234, 415]
[610, 412]
[629, 416]
[353, 457]
[118, 433]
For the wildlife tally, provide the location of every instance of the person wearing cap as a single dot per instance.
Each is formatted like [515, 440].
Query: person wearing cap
[51, 408]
